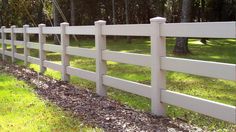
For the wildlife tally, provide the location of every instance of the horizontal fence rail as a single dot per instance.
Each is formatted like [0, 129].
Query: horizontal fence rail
[18, 30]
[81, 73]
[7, 41]
[21, 43]
[84, 52]
[200, 30]
[157, 30]
[210, 108]
[51, 30]
[127, 30]
[128, 86]
[52, 48]
[7, 30]
[32, 30]
[33, 60]
[80, 30]
[32, 45]
[128, 58]
[19, 56]
[201, 68]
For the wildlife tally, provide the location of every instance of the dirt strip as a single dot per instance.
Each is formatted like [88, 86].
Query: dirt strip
[92, 109]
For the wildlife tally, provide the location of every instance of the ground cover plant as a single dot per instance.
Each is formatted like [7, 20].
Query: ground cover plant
[22, 110]
[219, 50]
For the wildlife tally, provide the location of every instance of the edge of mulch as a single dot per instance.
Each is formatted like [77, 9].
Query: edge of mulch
[92, 109]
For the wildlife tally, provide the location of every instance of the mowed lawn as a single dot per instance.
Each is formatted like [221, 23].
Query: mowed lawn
[22, 110]
[219, 50]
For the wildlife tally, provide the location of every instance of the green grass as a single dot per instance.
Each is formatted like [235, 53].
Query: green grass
[219, 50]
[22, 110]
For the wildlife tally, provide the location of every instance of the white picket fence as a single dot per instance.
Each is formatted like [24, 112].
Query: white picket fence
[157, 30]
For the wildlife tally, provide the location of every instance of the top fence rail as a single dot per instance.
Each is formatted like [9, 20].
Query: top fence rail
[196, 30]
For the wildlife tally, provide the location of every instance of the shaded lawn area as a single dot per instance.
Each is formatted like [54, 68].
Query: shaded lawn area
[219, 50]
[22, 110]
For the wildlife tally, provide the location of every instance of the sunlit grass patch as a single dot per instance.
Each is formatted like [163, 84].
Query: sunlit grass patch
[22, 110]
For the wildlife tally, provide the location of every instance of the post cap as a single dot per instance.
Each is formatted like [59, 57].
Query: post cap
[3, 27]
[158, 19]
[100, 22]
[64, 23]
[41, 25]
[13, 26]
[25, 25]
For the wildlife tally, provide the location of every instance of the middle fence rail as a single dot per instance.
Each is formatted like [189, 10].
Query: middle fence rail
[157, 30]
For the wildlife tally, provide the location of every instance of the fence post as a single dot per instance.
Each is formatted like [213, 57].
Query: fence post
[100, 44]
[42, 55]
[3, 42]
[158, 50]
[13, 46]
[26, 40]
[65, 41]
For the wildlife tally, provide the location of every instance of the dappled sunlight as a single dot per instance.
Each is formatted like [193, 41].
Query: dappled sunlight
[83, 63]
[208, 88]
[219, 50]
[130, 72]
[196, 42]
[231, 40]
[35, 67]
[215, 57]
[49, 72]
[112, 63]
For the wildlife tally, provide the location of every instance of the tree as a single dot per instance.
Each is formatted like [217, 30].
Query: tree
[4, 18]
[181, 46]
[127, 18]
[72, 12]
[41, 13]
[158, 7]
[55, 20]
[113, 12]
[20, 12]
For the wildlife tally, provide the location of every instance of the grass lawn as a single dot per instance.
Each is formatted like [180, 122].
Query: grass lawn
[219, 50]
[22, 110]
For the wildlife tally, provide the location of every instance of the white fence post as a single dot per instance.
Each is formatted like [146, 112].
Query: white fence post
[42, 41]
[65, 41]
[13, 46]
[26, 40]
[158, 81]
[100, 43]
[3, 42]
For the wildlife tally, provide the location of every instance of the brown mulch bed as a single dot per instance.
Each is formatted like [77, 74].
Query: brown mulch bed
[92, 109]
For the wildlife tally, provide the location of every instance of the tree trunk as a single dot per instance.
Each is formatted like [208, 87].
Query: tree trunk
[41, 13]
[5, 13]
[181, 46]
[127, 18]
[72, 12]
[113, 12]
[55, 21]
[113, 15]
[72, 16]
[160, 7]
[203, 19]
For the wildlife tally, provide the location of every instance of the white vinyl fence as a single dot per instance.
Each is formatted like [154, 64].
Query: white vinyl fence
[157, 30]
